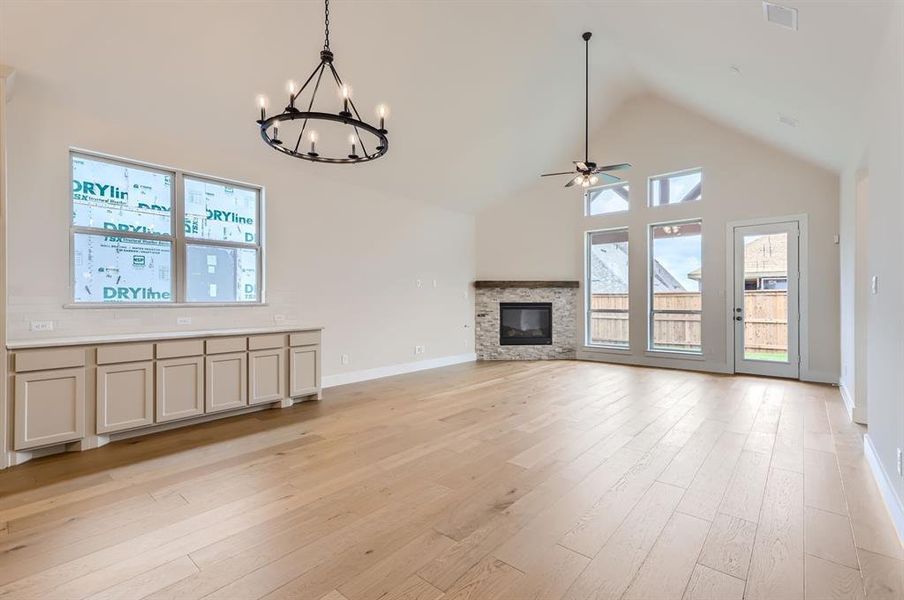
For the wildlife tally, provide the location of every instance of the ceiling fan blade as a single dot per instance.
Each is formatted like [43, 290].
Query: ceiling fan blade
[581, 165]
[562, 173]
[617, 167]
[610, 178]
[571, 182]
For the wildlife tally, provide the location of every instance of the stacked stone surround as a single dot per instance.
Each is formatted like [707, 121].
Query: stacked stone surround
[564, 301]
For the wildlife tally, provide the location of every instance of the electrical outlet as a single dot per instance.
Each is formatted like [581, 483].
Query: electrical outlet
[900, 463]
[874, 285]
[183, 321]
[420, 349]
[344, 359]
[418, 283]
[41, 326]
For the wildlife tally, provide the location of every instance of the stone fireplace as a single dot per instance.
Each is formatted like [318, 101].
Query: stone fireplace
[526, 320]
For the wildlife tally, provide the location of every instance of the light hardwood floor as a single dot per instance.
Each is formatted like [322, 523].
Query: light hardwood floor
[494, 480]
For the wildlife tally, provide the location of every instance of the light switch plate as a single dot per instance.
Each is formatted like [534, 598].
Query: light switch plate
[183, 321]
[874, 285]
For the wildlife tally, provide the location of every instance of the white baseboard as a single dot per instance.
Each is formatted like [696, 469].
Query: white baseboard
[892, 502]
[379, 372]
[857, 414]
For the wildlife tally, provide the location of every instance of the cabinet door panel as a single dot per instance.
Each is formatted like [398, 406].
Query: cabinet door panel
[266, 376]
[180, 388]
[304, 370]
[226, 382]
[49, 407]
[125, 396]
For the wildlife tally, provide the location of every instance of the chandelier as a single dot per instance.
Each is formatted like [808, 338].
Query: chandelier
[365, 142]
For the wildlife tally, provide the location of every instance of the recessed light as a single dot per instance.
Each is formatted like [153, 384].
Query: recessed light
[780, 15]
[786, 120]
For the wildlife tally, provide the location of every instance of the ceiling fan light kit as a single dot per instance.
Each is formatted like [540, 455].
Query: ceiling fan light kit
[586, 172]
[373, 141]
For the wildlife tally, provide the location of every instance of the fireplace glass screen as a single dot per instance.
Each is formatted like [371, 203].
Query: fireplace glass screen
[525, 323]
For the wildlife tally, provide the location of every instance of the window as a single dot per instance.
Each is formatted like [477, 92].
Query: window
[127, 247]
[606, 199]
[607, 275]
[675, 188]
[675, 287]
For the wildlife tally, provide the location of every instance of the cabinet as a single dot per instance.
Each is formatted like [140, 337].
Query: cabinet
[49, 407]
[180, 388]
[125, 396]
[304, 370]
[227, 386]
[266, 376]
[125, 385]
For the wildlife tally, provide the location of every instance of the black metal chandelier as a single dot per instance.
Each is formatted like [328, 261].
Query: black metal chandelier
[365, 141]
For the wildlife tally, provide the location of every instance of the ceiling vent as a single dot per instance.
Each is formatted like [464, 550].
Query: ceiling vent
[780, 15]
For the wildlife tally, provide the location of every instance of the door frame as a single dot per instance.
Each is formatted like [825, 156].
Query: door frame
[802, 295]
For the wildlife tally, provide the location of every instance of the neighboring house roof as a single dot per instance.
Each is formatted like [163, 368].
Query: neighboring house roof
[608, 271]
[765, 256]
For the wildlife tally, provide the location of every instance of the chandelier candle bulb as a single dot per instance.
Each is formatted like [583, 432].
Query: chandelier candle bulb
[262, 102]
[290, 87]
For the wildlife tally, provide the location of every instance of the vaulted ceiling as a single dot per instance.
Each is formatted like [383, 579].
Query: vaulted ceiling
[485, 95]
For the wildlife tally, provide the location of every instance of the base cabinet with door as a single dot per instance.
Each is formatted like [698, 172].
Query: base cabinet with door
[69, 391]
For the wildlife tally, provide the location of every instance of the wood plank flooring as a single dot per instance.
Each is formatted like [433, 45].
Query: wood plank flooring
[527, 480]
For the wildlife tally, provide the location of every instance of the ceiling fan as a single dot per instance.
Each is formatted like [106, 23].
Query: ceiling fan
[585, 171]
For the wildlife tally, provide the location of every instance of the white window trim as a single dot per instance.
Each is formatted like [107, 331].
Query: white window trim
[650, 350]
[588, 293]
[587, 192]
[176, 237]
[671, 174]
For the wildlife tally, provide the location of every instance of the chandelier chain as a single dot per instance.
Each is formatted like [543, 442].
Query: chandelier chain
[326, 23]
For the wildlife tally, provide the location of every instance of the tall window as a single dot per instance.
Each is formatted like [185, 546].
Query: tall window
[606, 199]
[128, 248]
[675, 188]
[675, 286]
[607, 275]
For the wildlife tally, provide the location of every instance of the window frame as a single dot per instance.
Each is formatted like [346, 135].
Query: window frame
[653, 178]
[651, 286]
[604, 186]
[588, 293]
[177, 237]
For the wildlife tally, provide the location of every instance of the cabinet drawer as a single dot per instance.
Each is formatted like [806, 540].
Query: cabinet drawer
[304, 338]
[225, 345]
[262, 342]
[125, 396]
[179, 348]
[58, 358]
[49, 407]
[121, 353]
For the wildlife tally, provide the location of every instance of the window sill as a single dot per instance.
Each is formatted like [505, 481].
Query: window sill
[674, 354]
[606, 350]
[118, 305]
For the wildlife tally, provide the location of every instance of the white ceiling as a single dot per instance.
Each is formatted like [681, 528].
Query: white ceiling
[485, 95]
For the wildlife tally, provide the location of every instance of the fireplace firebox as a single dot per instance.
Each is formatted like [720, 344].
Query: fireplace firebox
[525, 323]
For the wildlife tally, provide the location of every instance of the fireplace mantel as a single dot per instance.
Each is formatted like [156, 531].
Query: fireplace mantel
[526, 284]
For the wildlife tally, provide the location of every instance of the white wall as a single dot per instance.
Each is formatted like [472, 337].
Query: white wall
[875, 247]
[338, 254]
[538, 233]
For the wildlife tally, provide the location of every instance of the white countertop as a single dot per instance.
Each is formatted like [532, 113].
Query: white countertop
[146, 337]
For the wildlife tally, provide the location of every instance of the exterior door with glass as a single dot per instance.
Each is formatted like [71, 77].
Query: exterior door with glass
[766, 312]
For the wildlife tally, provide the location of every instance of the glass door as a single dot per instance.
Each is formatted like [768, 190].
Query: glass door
[766, 289]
